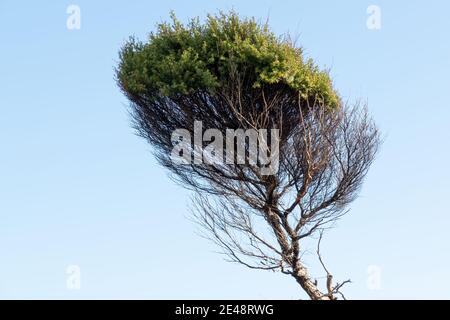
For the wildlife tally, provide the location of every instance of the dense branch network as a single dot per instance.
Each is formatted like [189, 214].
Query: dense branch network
[260, 221]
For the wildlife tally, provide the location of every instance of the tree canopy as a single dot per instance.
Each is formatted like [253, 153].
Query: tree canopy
[179, 59]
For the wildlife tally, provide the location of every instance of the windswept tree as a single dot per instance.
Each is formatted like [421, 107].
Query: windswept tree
[232, 74]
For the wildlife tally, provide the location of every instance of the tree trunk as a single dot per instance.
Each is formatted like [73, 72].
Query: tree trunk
[301, 275]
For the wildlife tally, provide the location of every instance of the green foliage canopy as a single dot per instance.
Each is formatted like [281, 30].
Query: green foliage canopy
[179, 59]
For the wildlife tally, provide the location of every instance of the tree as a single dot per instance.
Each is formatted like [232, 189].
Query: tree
[232, 73]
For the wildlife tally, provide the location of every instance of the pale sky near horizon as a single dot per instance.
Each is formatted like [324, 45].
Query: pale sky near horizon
[77, 187]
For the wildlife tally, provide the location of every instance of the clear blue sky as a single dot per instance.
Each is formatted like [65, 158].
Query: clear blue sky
[78, 188]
